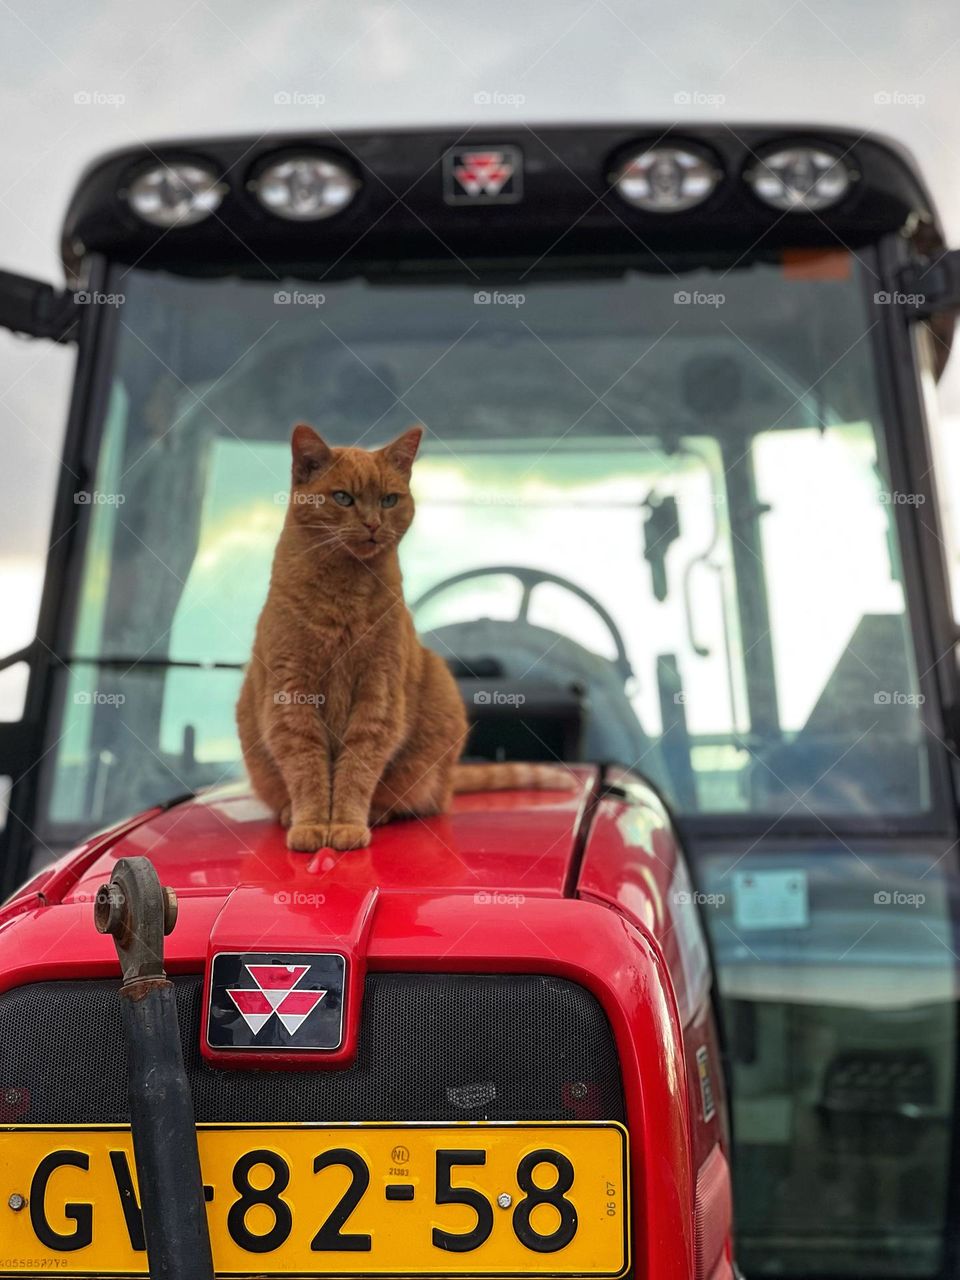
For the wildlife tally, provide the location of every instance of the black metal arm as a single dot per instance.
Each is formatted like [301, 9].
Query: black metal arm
[138, 913]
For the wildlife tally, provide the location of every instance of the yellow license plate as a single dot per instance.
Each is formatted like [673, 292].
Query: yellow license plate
[472, 1199]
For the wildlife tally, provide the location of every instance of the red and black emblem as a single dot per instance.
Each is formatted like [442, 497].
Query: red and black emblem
[483, 175]
[270, 1000]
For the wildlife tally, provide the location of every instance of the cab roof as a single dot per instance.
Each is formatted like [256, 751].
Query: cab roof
[564, 207]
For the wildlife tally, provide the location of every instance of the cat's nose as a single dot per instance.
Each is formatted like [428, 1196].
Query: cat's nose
[373, 525]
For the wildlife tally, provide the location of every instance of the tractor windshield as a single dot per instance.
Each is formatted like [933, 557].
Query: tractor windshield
[663, 497]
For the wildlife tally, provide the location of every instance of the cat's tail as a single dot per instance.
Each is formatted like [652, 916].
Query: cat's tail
[512, 777]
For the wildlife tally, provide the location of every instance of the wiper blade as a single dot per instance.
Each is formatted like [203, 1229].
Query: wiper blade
[162, 663]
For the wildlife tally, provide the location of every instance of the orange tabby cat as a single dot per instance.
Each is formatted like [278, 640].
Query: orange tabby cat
[345, 719]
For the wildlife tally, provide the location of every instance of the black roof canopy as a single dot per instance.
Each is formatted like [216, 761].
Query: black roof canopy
[564, 207]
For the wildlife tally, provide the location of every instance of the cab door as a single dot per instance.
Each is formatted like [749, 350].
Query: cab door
[70, 329]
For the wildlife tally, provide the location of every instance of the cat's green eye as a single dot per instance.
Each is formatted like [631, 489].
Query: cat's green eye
[389, 500]
[344, 499]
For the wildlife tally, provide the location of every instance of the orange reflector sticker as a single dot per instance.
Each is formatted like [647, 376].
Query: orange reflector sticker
[816, 264]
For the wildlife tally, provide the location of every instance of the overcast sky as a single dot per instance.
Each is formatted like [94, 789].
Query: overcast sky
[192, 67]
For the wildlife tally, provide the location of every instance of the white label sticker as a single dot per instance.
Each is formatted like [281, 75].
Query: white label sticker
[770, 900]
[706, 1084]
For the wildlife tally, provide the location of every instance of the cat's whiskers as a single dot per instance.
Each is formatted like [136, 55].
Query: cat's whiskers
[322, 544]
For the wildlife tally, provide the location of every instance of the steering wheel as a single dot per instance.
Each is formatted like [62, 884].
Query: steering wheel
[530, 579]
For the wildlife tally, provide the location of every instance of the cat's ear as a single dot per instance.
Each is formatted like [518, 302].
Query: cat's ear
[310, 452]
[401, 452]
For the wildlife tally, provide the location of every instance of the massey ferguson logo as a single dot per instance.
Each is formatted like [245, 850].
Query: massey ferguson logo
[275, 994]
[491, 175]
[276, 1001]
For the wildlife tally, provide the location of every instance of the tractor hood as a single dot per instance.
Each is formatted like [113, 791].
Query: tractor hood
[240, 889]
[509, 841]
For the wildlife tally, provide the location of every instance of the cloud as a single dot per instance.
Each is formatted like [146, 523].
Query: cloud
[205, 66]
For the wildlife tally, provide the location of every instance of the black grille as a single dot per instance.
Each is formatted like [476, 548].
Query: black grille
[432, 1047]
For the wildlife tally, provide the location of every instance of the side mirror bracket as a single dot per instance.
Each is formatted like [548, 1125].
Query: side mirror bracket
[37, 310]
[931, 287]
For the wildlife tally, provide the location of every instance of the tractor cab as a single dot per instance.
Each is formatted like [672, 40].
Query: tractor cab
[676, 513]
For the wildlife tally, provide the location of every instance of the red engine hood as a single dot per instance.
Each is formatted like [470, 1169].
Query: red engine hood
[240, 888]
[506, 842]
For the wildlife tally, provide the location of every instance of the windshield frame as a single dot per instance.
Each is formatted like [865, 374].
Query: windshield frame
[904, 435]
[898, 403]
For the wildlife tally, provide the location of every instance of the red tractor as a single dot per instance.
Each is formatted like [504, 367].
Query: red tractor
[676, 529]
[482, 1047]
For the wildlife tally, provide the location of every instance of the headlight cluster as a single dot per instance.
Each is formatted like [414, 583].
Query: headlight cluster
[668, 179]
[301, 188]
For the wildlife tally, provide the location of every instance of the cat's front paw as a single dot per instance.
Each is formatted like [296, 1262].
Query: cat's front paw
[307, 837]
[285, 816]
[347, 835]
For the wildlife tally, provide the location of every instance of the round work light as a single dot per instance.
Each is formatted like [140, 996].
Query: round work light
[666, 179]
[175, 194]
[802, 179]
[304, 188]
